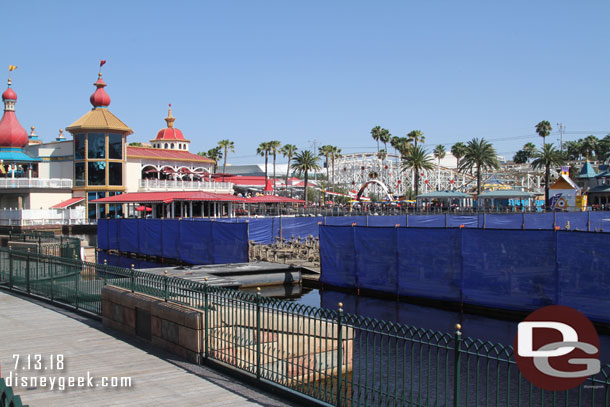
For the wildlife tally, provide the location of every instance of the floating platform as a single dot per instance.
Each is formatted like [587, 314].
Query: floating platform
[236, 275]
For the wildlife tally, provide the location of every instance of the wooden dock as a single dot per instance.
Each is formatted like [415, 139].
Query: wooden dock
[28, 327]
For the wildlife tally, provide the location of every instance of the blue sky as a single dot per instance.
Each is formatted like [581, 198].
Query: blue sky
[254, 71]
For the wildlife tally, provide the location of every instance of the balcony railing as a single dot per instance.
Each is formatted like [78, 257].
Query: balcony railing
[167, 185]
[60, 183]
[30, 217]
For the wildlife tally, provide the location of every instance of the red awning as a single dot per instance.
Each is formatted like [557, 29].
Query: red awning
[268, 186]
[144, 208]
[169, 196]
[273, 199]
[69, 202]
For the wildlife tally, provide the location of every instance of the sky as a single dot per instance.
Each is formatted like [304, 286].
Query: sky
[315, 71]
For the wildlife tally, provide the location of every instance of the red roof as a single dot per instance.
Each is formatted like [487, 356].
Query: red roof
[167, 197]
[162, 154]
[169, 134]
[69, 202]
[254, 180]
[273, 199]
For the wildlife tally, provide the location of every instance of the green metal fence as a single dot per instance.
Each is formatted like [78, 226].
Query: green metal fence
[44, 242]
[333, 357]
[7, 397]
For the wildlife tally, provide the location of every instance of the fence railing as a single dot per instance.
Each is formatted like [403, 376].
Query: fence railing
[61, 183]
[330, 356]
[31, 217]
[45, 243]
[168, 185]
[7, 397]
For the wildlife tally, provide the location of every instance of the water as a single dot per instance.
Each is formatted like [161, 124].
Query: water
[495, 330]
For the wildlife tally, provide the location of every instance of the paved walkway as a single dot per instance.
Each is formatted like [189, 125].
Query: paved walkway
[30, 327]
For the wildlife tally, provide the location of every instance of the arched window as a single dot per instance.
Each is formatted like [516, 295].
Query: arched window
[172, 146]
[166, 145]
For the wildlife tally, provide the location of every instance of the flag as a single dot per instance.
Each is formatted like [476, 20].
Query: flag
[102, 62]
[12, 68]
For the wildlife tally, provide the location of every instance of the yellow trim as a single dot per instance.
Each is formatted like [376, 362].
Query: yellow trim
[204, 160]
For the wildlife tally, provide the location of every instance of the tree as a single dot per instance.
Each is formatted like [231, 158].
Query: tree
[416, 158]
[304, 162]
[288, 150]
[324, 151]
[439, 153]
[416, 136]
[274, 148]
[376, 134]
[226, 145]
[604, 149]
[334, 154]
[263, 150]
[135, 144]
[589, 145]
[385, 138]
[481, 155]
[394, 142]
[521, 157]
[548, 156]
[530, 150]
[573, 149]
[213, 153]
[543, 129]
[458, 150]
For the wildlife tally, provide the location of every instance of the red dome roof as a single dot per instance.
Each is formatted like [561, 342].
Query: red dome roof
[100, 98]
[170, 133]
[9, 94]
[11, 132]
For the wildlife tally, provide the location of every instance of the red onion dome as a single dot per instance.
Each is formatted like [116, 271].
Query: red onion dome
[100, 98]
[12, 134]
[9, 94]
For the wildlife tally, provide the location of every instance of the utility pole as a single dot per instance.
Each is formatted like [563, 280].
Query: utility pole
[561, 129]
[314, 143]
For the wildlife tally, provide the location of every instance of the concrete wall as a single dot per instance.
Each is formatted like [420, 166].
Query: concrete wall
[175, 328]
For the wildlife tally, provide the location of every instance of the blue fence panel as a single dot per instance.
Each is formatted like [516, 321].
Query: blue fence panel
[343, 220]
[454, 221]
[577, 220]
[230, 242]
[600, 221]
[509, 269]
[508, 221]
[387, 220]
[584, 281]
[195, 242]
[275, 228]
[170, 228]
[426, 221]
[429, 263]
[261, 230]
[113, 234]
[129, 239]
[102, 234]
[151, 238]
[338, 258]
[539, 221]
[300, 227]
[376, 258]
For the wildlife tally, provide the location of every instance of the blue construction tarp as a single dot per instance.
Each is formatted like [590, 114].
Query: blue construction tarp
[600, 221]
[102, 234]
[426, 221]
[229, 243]
[129, 240]
[152, 244]
[393, 220]
[539, 221]
[113, 234]
[195, 242]
[518, 270]
[504, 221]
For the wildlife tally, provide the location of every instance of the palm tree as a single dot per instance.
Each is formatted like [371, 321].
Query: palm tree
[521, 157]
[458, 150]
[416, 136]
[439, 153]
[547, 157]
[325, 151]
[288, 150]
[589, 145]
[416, 158]
[334, 154]
[213, 153]
[395, 142]
[543, 129]
[573, 149]
[480, 154]
[304, 162]
[376, 134]
[274, 148]
[385, 138]
[604, 149]
[226, 145]
[263, 150]
[530, 149]
[402, 145]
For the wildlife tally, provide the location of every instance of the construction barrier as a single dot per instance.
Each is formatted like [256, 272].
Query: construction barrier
[184, 240]
[518, 270]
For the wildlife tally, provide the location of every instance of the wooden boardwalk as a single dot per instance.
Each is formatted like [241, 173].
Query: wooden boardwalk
[28, 327]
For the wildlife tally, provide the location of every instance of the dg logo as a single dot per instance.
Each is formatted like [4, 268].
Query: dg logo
[557, 348]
